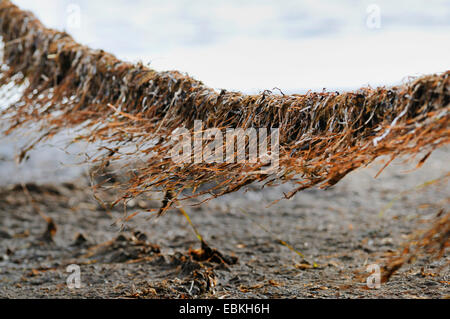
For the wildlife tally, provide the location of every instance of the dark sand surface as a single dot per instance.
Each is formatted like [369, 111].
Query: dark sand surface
[341, 229]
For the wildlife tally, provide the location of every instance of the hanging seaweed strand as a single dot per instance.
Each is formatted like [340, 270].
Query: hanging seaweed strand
[323, 136]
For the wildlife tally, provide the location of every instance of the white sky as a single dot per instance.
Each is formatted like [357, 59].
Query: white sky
[255, 45]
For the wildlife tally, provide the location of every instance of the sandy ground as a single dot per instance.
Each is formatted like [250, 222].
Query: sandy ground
[340, 229]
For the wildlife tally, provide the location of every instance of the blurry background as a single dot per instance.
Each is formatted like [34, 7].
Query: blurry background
[256, 45]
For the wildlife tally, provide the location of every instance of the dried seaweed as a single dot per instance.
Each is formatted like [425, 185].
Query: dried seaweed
[432, 243]
[115, 105]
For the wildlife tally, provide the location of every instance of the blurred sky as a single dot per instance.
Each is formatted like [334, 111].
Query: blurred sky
[255, 45]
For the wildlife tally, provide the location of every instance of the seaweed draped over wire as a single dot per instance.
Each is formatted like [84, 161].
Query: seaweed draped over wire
[323, 136]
